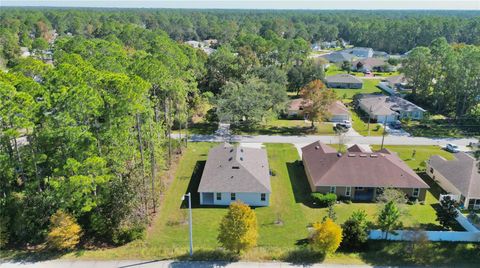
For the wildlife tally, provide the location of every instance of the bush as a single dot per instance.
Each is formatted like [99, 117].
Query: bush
[3, 231]
[324, 199]
[355, 230]
[64, 231]
[326, 237]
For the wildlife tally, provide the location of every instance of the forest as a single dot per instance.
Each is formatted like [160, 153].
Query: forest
[89, 134]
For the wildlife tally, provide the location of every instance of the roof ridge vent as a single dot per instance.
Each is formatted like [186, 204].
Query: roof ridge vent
[374, 155]
[351, 155]
[363, 155]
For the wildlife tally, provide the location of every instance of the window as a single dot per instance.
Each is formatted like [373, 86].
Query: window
[359, 188]
[333, 189]
[263, 197]
[416, 191]
[232, 196]
[219, 196]
[348, 191]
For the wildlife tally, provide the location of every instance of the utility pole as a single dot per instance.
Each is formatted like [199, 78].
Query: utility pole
[384, 132]
[189, 195]
[369, 120]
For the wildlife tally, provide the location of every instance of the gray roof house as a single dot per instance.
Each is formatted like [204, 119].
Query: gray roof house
[388, 109]
[338, 57]
[360, 52]
[235, 173]
[343, 81]
[459, 176]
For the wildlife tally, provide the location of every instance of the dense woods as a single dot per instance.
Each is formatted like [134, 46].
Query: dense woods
[86, 136]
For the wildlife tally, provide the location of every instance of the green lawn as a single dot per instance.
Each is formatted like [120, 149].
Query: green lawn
[443, 128]
[369, 86]
[361, 126]
[168, 235]
[286, 127]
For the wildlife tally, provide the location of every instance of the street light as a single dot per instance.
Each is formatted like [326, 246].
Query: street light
[189, 219]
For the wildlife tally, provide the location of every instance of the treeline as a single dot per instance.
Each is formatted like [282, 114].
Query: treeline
[445, 78]
[87, 138]
[391, 31]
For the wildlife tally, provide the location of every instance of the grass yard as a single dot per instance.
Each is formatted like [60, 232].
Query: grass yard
[369, 86]
[443, 128]
[361, 126]
[286, 127]
[199, 128]
[168, 235]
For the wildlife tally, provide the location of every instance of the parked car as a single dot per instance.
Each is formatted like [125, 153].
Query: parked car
[396, 125]
[452, 148]
[345, 123]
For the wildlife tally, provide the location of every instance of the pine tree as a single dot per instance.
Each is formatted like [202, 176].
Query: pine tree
[388, 220]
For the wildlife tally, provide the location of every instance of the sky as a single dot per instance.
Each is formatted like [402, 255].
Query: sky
[258, 4]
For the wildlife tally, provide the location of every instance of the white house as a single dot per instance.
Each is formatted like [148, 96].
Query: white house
[387, 109]
[235, 173]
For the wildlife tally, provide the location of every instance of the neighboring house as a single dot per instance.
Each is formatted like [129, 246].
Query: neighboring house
[338, 57]
[24, 52]
[357, 174]
[343, 81]
[337, 110]
[204, 45]
[387, 109]
[235, 173]
[459, 177]
[372, 65]
[394, 84]
[360, 52]
[380, 54]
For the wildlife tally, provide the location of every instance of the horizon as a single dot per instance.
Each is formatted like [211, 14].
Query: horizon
[407, 5]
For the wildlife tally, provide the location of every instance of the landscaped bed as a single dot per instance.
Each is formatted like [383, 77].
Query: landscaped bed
[282, 226]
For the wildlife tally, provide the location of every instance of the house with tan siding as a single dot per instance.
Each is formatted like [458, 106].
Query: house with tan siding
[357, 174]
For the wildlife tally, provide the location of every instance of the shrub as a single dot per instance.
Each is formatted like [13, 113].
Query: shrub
[238, 229]
[355, 230]
[3, 231]
[326, 237]
[324, 199]
[64, 231]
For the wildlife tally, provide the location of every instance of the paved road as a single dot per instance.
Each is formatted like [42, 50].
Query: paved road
[167, 264]
[389, 140]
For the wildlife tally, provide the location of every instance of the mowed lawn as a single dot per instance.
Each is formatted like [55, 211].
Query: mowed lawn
[287, 127]
[290, 205]
[369, 86]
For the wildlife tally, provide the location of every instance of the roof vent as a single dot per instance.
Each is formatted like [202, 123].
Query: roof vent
[241, 158]
[363, 155]
[231, 177]
[317, 147]
[230, 159]
[241, 150]
[231, 150]
[374, 155]
[339, 154]
[235, 167]
[351, 155]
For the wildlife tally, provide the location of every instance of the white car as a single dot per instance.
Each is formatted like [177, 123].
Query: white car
[345, 123]
[452, 148]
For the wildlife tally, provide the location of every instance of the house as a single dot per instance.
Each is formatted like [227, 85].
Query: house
[358, 174]
[360, 52]
[459, 176]
[337, 110]
[380, 54]
[388, 109]
[235, 173]
[372, 65]
[338, 57]
[394, 84]
[343, 81]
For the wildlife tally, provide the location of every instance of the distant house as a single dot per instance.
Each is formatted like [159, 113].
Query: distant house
[343, 81]
[372, 65]
[360, 52]
[387, 109]
[204, 45]
[338, 57]
[24, 52]
[235, 173]
[358, 174]
[380, 54]
[337, 110]
[459, 177]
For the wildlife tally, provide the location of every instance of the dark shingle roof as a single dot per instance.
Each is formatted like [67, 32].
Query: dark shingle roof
[359, 169]
[337, 57]
[236, 169]
[462, 172]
